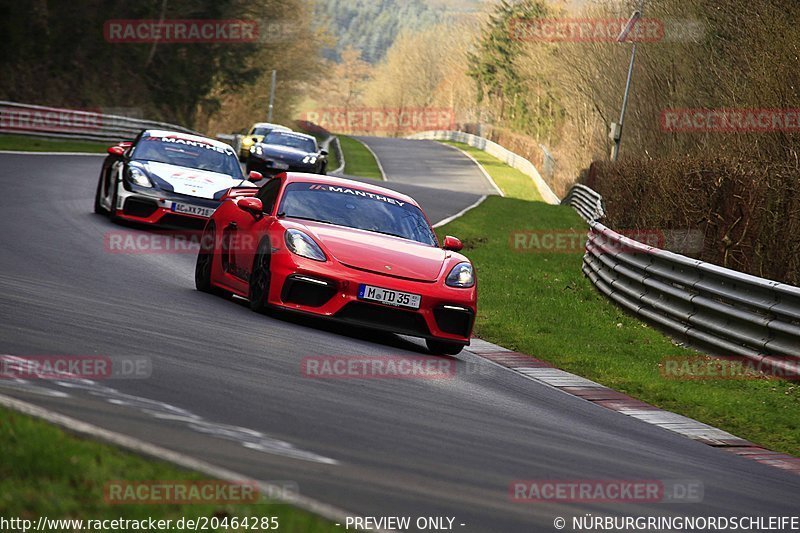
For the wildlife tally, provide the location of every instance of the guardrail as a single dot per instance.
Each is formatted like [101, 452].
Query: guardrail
[587, 202]
[736, 313]
[233, 139]
[54, 122]
[492, 148]
[333, 142]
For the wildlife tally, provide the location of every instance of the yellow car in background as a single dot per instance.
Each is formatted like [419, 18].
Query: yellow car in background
[256, 133]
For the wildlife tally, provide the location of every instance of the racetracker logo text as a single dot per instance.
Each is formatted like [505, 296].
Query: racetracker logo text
[46, 119]
[703, 368]
[585, 30]
[181, 492]
[730, 120]
[380, 120]
[170, 242]
[74, 367]
[180, 31]
[569, 241]
[606, 491]
[377, 367]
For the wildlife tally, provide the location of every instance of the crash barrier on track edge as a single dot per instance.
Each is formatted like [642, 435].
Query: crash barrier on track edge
[736, 313]
[60, 123]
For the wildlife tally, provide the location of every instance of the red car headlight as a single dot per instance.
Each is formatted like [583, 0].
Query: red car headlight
[462, 275]
[301, 244]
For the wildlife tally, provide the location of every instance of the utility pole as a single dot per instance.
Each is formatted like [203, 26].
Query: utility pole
[616, 129]
[271, 97]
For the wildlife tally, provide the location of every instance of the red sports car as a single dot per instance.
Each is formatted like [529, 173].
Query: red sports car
[342, 249]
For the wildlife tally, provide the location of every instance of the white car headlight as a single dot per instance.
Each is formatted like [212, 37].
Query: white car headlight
[310, 159]
[301, 244]
[462, 275]
[139, 177]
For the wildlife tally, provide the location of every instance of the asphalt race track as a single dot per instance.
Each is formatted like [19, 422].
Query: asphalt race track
[227, 387]
[427, 163]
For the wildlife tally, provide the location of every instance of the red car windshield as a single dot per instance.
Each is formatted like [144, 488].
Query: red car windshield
[187, 153]
[354, 208]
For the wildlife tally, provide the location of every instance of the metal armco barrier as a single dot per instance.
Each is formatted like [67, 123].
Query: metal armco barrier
[42, 121]
[586, 202]
[736, 313]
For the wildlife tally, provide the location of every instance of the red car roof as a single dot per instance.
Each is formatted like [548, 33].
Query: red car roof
[302, 177]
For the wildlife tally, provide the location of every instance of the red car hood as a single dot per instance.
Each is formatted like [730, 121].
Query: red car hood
[382, 254]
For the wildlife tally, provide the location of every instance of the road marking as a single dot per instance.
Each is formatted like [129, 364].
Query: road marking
[23, 152]
[460, 213]
[480, 167]
[79, 427]
[543, 373]
[248, 438]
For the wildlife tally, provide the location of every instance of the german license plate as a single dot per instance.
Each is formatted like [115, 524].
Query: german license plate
[388, 296]
[189, 209]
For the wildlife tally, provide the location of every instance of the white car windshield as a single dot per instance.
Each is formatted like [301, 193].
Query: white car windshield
[189, 153]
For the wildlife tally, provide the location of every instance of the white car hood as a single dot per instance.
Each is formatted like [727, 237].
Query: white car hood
[192, 182]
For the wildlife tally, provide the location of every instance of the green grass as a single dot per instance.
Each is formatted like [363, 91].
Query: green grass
[358, 160]
[511, 181]
[35, 144]
[542, 305]
[47, 472]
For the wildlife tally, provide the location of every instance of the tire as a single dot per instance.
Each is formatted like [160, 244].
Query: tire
[443, 347]
[98, 207]
[258, 287]
[205, 261]
[323, 169]
[112, 213]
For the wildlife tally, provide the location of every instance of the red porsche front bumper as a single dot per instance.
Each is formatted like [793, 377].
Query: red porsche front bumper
[331, 289]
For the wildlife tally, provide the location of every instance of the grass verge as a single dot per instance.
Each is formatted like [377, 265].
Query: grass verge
[27, 143]
[358, 160]
[541, 304]
[511, 181]
[47, 472]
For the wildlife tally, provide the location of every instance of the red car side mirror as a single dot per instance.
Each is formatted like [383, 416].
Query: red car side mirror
[255, 176]
[251, 205]
[116, 150]
[453, 244]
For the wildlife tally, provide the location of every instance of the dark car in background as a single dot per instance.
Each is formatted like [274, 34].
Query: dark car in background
[257, 131]
[282, 151]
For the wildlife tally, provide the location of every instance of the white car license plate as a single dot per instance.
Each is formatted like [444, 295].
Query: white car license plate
[280, 165]
[389, 297]
[192, 209]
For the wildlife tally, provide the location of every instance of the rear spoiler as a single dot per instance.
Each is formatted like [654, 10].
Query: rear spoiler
[238, 192]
